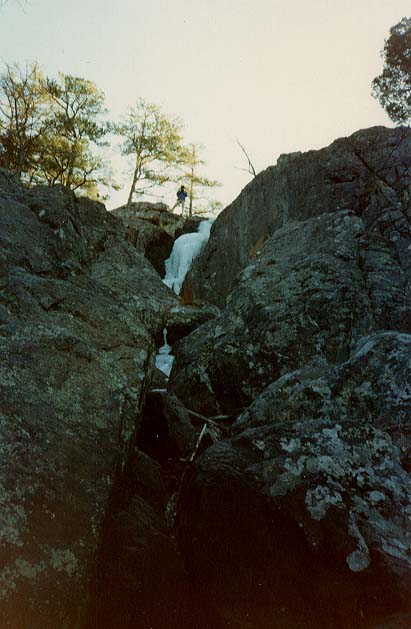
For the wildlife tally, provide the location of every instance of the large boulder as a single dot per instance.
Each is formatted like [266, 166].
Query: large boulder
[303, 524]
[303, 518]
[361, 173]
[152, 229]
[78, 313]
[181, 320]
[316, 288]
[158, 214]
[374, 384]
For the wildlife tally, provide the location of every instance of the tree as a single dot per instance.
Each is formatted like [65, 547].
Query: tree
[191, 161]
[69, 151]
[154, 143]
[393, 87]
[23, 114]
[51, 130]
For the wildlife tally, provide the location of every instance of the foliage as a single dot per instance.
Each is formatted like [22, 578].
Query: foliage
[23, 114]
[53, 131]
[393, 87]
[50, 130]
[153, 141]
[69, 151]
[190, 161]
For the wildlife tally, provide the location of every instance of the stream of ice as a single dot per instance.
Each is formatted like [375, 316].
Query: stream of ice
[185, 249]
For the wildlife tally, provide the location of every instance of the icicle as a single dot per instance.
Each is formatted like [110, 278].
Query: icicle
[164, 358]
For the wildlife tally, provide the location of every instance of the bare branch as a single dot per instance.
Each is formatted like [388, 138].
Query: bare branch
[250, 169]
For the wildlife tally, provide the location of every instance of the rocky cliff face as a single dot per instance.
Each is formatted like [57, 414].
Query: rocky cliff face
[270, 484]
[301, 517]
[360, 173]
[316, 290]
[79, 310]
[152, 229]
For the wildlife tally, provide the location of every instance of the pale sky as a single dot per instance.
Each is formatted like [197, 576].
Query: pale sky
[281, 75]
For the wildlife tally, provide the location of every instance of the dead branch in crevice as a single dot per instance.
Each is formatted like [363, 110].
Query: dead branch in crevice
[172, 506]
[209, 420]
[198, 442]
[214, 431]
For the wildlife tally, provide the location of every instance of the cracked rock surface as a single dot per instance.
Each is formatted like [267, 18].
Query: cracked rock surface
[301, 524]
[315, 290]
[79, 308]
[302, 517]
[363, 173]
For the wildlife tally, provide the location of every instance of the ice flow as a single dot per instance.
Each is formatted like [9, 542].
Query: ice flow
[164, 358]
[186, 248]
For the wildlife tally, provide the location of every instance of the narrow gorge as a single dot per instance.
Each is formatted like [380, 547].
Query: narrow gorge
[261, 479]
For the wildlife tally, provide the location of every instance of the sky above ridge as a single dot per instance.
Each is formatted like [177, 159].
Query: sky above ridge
[279, 76]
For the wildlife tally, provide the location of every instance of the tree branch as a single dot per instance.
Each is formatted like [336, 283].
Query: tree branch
[251, 169]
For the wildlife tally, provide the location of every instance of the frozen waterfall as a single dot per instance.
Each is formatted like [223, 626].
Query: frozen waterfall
[186, 248]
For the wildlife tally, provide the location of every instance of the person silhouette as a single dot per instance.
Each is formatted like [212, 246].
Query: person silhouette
[181, 199]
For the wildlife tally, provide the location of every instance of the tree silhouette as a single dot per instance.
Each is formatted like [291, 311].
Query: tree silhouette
[393, 87]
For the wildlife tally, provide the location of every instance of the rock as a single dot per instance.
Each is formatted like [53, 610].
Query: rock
[181, 320]
[166, 433]
[362, 173]
[9, 182]
[141, 577]
[302, 524]
[374, 384]
[79, 310]
[299, 515]
[159, 380]
[152, 229]
[315, 290]
[158, 214]
[153, 241]
[302, 518]
[191, 224]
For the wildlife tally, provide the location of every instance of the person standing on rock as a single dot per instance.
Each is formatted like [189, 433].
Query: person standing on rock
[181, 199]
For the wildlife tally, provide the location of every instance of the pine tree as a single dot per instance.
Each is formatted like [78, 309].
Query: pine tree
[191, 162]
[153, 141]
[393, 87]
